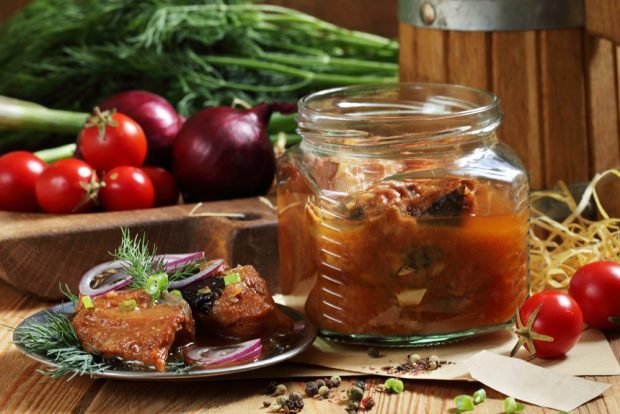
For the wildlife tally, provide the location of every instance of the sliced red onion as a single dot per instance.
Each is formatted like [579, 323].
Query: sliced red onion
[212, 355]
[210, 269]
[115, 281]
[174, 261]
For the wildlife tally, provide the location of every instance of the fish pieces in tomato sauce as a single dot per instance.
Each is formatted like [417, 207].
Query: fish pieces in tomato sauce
[144, 335]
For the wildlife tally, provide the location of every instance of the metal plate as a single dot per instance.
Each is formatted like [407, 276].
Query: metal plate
[492, 15]
[307, 333]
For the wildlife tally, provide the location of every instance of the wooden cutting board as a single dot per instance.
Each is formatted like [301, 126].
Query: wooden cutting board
[39, 252]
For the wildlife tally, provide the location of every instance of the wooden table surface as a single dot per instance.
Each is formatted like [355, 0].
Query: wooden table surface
[23, 390]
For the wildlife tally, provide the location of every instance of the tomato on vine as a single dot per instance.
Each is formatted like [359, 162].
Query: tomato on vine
[126, 188]
[549, 324]
[596, 288]
[67, 186]
[18, 173]
[111, 139]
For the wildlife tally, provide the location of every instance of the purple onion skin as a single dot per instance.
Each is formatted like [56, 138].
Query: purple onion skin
[223, 153]
[155, 115]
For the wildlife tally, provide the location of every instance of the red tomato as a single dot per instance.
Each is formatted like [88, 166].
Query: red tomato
[122, 143]
[596, 288]
[559, 318]
[126, 188]
[166, 190]
[64, 187]
[18, 173]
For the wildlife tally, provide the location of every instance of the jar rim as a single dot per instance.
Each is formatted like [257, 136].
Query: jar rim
[489, 102]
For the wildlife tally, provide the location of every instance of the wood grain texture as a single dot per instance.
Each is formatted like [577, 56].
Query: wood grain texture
[24, 390]
[34, 247]
[424, 55]
[566, 152]
[379, 17]
[603, 18]
[603, 110]
[469, 59]
[520, 101]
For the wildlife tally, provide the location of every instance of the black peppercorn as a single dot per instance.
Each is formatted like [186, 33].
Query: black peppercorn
[271, 388]
[312, 389]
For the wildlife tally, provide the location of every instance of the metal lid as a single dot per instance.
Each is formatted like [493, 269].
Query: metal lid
[492, 15]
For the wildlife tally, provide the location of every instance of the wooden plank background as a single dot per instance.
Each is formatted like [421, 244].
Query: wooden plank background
[559, 88]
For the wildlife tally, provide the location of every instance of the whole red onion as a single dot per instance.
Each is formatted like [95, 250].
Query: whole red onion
[155, 115]
[223, 153]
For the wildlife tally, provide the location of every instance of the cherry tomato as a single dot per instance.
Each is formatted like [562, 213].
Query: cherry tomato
[18, 173]
[110, 140]
[559, 319]
[596, 288]
[166, 190]
[126, 188]
[66, 186]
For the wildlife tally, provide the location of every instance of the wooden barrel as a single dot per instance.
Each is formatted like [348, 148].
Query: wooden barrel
[557, 80]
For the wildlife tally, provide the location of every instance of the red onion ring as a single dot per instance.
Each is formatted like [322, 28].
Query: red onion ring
[212, 267]
[173, 261]
[114, 282]
[211, 355]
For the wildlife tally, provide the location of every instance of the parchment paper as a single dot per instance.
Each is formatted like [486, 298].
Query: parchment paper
[591, 356]
[531, 383]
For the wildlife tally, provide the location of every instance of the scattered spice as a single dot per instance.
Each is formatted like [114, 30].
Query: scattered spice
[355, 394]
[281, 389]
[324, 391]
[311, 389]
[266, 403]
[319, 383]
[463, 403]
[414, 364]
[367, 403]
[336, 380]
[373, 352]
[352, 406]
[271, 388]
[479, 396]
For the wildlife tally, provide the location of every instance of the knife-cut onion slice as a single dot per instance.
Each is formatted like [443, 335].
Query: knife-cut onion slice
[104, 278]
[216, 355]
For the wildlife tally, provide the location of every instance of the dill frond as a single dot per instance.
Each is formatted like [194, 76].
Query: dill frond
[57, 340]
[139, 258]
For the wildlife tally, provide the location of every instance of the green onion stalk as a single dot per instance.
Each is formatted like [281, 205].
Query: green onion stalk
[27, 116]
[72, 54]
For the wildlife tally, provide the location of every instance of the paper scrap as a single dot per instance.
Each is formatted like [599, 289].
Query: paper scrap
[591, 356]
[530, 383]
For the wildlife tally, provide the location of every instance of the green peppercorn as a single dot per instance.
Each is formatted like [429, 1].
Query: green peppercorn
[324, 391]
[281, 400]
[355, 394]
[336, 380]
[432, 365]
[413, 358]
[433, 358]
[281, 389]
[311, 389]
[353, 405]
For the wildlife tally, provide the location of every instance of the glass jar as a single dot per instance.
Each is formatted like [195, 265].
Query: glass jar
[402, 219]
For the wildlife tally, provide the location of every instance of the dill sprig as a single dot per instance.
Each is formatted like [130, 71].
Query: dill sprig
[139, 258]
[65, 290]
[57, 340]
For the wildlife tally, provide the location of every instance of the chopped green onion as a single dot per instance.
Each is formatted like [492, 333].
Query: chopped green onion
[87, 302]
[511, 406]
[464, 403]
[394, 385]
[128, 305]
[480, 396]
[231, 278]
[177, 293]
[156, 284]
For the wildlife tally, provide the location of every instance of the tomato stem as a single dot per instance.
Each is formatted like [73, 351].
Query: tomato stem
[527, 335]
